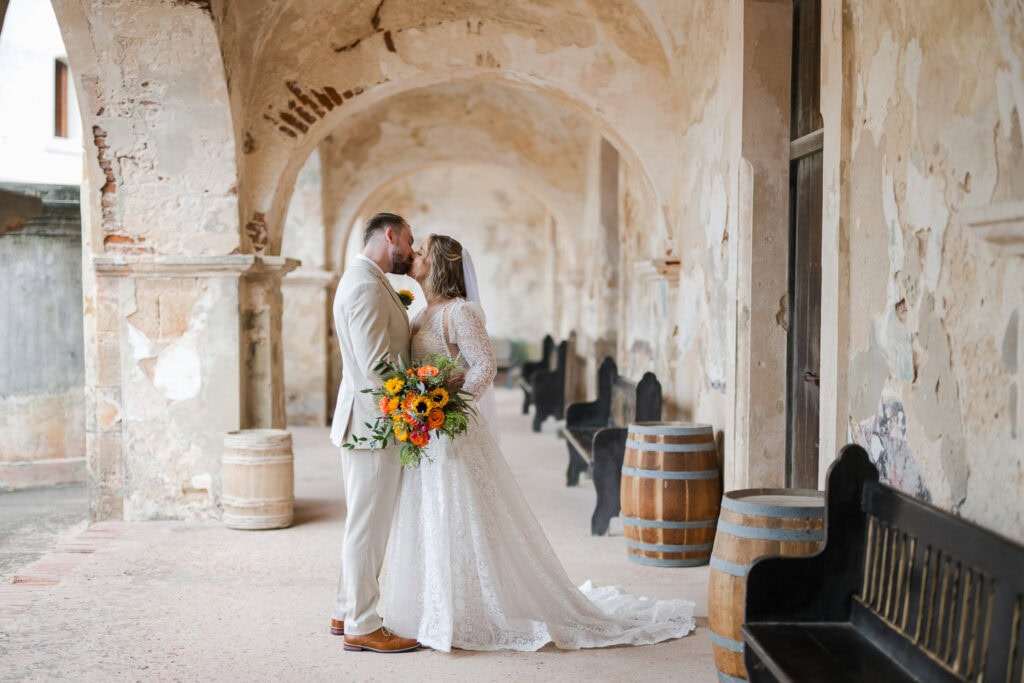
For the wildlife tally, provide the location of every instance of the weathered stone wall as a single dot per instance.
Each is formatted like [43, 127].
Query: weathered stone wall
[308, 292]
[502, 224]
[934, 135]
[182, 331]
[705, 200]
[42, 369]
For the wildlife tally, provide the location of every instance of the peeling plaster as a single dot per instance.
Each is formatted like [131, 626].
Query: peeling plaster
[884, 436]
[178, 373]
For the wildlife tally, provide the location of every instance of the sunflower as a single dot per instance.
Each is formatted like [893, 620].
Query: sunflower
[422, 405]
[393, 405]
[394, 385]
[439, 396]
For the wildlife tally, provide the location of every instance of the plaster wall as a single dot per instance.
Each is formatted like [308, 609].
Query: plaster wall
[160, 147]
[307, 294]
[510, 128]
[182, 333]
[42, 369]
[762, 245]
[706, 203]
[932, 120]
[504, 227]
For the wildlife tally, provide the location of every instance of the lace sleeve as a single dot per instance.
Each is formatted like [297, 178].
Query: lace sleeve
[470, 335]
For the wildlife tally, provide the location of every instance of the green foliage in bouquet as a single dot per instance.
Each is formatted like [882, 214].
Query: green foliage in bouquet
[417, 403]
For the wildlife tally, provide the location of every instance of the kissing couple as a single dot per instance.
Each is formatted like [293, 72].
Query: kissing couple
[469, 566]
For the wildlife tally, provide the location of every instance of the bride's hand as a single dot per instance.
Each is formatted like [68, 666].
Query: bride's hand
[458, 380]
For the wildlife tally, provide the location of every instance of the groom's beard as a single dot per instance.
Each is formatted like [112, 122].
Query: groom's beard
[400, 266]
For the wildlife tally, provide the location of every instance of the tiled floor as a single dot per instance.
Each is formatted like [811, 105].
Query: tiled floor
[168, 601]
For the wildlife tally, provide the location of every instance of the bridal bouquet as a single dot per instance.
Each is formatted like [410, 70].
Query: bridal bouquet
[417, 403]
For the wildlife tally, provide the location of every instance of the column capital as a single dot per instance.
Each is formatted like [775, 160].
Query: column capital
[312, 276]
[231, 265]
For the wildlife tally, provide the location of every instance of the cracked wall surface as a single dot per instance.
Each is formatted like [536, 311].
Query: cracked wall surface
[935, 130]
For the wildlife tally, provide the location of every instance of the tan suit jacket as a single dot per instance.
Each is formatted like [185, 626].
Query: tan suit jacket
[371, 323]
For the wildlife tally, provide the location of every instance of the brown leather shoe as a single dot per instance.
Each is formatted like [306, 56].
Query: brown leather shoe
[337, 627]
[381, 640]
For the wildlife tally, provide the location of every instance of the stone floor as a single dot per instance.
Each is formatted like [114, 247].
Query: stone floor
[168, 601]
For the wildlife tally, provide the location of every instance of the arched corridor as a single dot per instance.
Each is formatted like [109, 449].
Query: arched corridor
[805, 217]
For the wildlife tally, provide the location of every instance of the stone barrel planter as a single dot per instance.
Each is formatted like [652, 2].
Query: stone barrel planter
[258, 479]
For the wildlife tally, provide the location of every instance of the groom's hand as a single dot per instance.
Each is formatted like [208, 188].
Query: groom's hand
[458, 380]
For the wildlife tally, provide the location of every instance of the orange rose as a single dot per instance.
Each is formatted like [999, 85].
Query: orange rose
[427, 371]
[384, 403]
[419, 438]
[410, 373]
[410, 418]
[435, 419]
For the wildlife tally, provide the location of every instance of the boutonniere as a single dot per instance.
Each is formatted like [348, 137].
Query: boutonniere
[406, 297]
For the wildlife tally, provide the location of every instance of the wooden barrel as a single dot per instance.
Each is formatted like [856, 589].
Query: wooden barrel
[258, 479]
[754, 523]
[671, 490]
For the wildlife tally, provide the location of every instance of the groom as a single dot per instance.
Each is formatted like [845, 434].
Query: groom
[371, 323]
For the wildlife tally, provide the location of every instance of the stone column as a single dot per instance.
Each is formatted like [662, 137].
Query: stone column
[183, 349]
[308, 295]
[262, 309]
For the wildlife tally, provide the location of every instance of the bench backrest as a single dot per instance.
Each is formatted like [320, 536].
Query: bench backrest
[951, 588]
[546, 359]
[635, 402]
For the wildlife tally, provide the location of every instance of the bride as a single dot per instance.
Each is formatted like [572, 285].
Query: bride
[469, 566]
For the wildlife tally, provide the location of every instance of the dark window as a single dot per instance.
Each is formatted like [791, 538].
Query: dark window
[60, 98]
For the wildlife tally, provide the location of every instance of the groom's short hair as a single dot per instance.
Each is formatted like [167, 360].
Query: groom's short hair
[381, 222]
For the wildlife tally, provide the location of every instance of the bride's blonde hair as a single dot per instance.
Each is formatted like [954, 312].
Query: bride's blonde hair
[445, 278]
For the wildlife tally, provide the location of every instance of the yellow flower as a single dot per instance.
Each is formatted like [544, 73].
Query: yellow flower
[422, 405]
[402, 435]
[393, 385]
[393, 405]
[406, 297]
[439, 396]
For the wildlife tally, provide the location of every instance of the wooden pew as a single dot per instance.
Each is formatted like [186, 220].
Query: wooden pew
[529, 367]
[901, 591]
[595, 434]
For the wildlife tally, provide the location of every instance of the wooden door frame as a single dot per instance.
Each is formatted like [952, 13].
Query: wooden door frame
[836, 113]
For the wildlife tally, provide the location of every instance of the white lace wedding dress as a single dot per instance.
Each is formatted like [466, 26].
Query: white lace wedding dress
[469, 566]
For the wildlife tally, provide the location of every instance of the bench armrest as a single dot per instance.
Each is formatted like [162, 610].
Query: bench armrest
[820, 587]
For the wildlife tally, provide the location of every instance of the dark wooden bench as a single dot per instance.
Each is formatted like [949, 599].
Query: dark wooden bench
[527, 369]
[549, 387]
[901, 591]
[595, 434]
